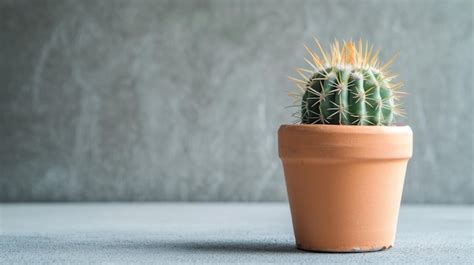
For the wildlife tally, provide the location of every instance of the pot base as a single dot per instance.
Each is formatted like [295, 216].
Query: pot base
[352, 250]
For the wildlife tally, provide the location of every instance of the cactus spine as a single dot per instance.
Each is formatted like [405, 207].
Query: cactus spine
[347, 86]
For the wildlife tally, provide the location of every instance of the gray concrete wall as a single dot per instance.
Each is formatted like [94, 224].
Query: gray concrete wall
[181, 100]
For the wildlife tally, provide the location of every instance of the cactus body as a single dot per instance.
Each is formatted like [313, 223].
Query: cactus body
[347, 96]
[351, 89]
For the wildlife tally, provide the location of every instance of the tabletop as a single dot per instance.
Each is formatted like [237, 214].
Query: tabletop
[173, 233]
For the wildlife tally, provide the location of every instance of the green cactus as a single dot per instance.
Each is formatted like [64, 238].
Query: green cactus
[347, 87]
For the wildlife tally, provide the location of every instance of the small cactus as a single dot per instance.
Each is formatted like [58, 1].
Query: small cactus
[347, 86]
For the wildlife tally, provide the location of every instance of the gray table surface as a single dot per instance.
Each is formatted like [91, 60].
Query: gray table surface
[211, 232]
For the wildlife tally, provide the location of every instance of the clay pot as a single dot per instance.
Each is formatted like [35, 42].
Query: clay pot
[344, 184]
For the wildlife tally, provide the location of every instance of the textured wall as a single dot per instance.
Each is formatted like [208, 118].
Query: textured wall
[181, 100]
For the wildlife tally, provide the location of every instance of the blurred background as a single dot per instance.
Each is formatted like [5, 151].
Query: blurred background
[181, 100]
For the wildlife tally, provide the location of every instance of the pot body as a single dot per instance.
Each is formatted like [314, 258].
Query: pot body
[344, 184]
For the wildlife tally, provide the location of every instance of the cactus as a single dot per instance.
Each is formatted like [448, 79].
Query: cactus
[347, 86]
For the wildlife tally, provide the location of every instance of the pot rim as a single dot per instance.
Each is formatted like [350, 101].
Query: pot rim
[352, 129]
[335, 142]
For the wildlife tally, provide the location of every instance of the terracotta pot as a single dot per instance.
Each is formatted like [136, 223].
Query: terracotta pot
[344, 184]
